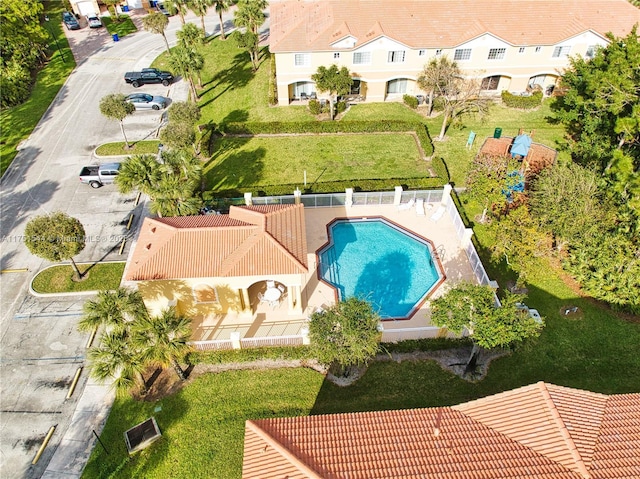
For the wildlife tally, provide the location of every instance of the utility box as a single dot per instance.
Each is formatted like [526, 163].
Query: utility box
[497, 133]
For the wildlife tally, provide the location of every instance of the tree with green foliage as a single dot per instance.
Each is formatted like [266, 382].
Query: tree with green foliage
[184, 112]
[435, 76]
[157, 22]
[116, 360]
[568, 202]
[138, 172]
[115, 107]
[336, 81]
[345, 335]
[200, 8]
[189, 63]
[23, 44]
[221, 6]
[179, 135]
[115, 310]
[172, 184]
[112, 5]
[472, 308]
[55, 237]
[180, 7]
[250, 16]
[164, 340]
[601, 114]
[189, 36]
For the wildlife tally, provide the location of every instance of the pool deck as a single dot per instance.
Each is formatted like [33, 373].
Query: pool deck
[274, 322]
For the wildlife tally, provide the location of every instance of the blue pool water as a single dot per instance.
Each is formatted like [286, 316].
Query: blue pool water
[380, 262]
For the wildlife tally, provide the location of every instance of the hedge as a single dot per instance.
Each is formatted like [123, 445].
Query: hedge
[523, 102]
[441, 169]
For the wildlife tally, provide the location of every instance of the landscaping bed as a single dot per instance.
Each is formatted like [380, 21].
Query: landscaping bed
[59, 279]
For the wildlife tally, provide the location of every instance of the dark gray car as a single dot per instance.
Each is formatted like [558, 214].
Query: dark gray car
[70, 21]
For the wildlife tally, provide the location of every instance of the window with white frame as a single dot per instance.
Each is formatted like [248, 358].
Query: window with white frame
[439, 52]
[397, 86]
[561, 51]
[302, 59]
[496, 53]
[521, 50]
[336, 55]
[422, 52]
[361, 58]
[396, 56]
[462, 54]
[538, 49]
[204, 293]
[591, 51]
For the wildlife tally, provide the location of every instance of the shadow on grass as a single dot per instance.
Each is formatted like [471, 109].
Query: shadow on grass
[232, 167]
[238, 75]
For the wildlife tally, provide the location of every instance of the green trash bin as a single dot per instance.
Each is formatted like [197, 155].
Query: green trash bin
[497, 133]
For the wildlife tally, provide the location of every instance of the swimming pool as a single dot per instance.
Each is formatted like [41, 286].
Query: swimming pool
[377, 260]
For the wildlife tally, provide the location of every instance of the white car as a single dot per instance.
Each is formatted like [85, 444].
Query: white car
[94, 21]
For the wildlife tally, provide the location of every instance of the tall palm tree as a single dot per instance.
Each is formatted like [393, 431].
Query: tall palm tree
[175, 197]
[221, 6]
[163, 339]
[116, 310]
[116, 360]
[250, 14]
[180, 7]
[139, 172]
[187, 62]
[200, 7]
[189, 36]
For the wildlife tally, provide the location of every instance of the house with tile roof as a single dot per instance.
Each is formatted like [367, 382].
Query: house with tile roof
[508, 45]
[541, 430]
[213, 266]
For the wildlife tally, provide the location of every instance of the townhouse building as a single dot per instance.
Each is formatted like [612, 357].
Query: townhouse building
[385, 44]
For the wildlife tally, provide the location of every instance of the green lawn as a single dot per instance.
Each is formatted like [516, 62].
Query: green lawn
[58, 279]
[18, 122]
[260, 161]
[137, 148]
[123, 27]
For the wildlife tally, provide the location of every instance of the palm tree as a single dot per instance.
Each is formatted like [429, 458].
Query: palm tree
[139, 172]
[189, 36]
[116, 360]
[175, 197]
[221, 6]
[187, 62]
[200, 7]
[250, 14]
[180, 7]
[116, 310]
[163, 339]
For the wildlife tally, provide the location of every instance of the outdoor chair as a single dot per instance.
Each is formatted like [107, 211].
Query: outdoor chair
[420, 207]
[406, 206]
[438, 213]
[271, 284]
[313, 95]
[303, 96]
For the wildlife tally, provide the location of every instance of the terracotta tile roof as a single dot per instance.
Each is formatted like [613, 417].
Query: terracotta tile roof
[298, 26]
[542, 431]
[250, 240]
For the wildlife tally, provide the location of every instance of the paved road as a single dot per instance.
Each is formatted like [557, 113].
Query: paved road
[40, 347]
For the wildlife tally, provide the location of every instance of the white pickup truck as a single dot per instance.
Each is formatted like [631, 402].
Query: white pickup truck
[98, 175]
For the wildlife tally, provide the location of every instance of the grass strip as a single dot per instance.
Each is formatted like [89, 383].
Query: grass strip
[136, 148]
[59, 279]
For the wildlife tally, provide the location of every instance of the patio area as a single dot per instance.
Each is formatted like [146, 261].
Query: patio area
[273, 320]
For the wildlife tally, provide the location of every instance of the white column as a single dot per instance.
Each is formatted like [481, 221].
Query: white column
[446, 194]
[235, 339]
[397, 198]
[247, 199]
[296, 196]
[245, 303]
[304, 331]
[466, 237]
[348, 201]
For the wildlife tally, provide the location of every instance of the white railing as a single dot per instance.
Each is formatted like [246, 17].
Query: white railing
[226, 344]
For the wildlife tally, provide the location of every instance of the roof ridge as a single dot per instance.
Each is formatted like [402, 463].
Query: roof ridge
[275, 444]
[285, 250]
[573, 450]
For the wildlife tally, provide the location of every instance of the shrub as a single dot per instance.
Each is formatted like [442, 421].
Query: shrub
[441, 169]
[341, 106]
[314, 107]
[438, 104]
[273, 86]
[410, 101]
[522, 102]
[178, 135]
